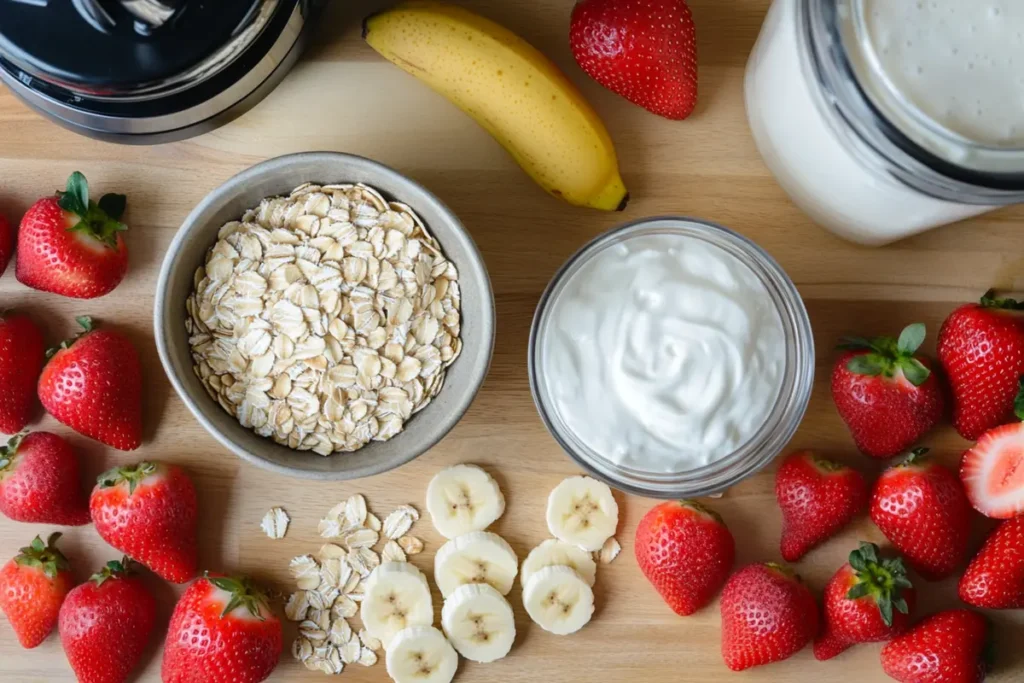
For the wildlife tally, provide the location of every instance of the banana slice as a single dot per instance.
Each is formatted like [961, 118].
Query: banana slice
[476, 557]
[396, 596]
[582, 511]
[558, 600]
[553, 552]
[421, 654]
[463, 498]
[479, 622]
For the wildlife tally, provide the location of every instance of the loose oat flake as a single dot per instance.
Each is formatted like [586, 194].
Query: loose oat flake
[609, 551]
[325, 319]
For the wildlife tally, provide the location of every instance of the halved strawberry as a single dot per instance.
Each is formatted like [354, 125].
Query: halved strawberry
[993, 472]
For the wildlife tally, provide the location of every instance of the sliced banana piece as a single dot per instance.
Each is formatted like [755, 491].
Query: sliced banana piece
[396, 596]
[582, 511]
[479, 622]
[421, 654]
[558, 600]
[553, 552]
[476, 557]
[463, 498]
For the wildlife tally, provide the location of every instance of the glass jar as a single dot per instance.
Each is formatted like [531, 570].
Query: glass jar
[854, 107]
[782, 419]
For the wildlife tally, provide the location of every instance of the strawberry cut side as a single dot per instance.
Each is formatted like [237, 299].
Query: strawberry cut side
[993, 472]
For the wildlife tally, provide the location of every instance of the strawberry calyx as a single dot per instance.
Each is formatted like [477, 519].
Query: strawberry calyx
[1018, 401]
[824, 465]
[8, 452]
[915, 458]
[884, 581]
[244, 593]
[85, 322]
[44, 556]
[115, 569]
[783, 571]
[99, 220]
[990, 300]
[701, 510]
[887, 355]
[132, 474]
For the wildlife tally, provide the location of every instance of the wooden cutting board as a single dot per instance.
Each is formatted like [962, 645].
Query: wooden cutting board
[344, 97]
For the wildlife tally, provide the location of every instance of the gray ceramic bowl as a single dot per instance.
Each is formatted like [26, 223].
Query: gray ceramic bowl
[279, 176]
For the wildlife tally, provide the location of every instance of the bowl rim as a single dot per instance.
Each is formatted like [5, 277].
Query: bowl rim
[230, 187]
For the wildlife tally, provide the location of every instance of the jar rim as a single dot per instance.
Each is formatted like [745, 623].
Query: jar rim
[790, 403]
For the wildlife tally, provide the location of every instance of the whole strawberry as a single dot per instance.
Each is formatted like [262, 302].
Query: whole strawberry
[32, 588]
[644, 50]
[40, 481]
[686, 552]
[148, 511]
[93, 384]
[948, 647]
[867, 600]
[72, 246]
[6, 243]
[995, 577]
[222, 631]
[992, 472]
[981, 348]
[818, 497]
[22, 354]
[105, 624]
[921, 507]
[886, 393]
[768, 615]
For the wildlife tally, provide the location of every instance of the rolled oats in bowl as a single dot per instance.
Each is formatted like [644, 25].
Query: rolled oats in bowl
[325, 319]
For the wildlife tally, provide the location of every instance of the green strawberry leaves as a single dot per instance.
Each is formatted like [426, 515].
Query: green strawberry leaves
[132, 474]
[7, 452]
[44, 556]
[115, 569]
[886, 355]
[244, 593]
[87, 326]
[990, 300]
[101, 221]
[1018, 402]
[884, 581]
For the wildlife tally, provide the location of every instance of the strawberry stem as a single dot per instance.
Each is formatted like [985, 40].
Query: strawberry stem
[115, 569]
[87, 326]
[243, 594]
[700, 509]
[886, 355]
[883, 581]
[44, 556]
[101, 221]
[133, 474]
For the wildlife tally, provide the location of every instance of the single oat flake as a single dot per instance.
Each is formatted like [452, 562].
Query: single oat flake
[609, 551]
[275, 523]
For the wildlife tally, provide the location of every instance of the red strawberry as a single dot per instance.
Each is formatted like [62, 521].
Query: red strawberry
[686, 552]
[6, 244]
[72, 246]
[886, 394]
[222, 631]
[768, 615]
[817, 497]
[93, 384]
[868, 600]
[995, 577]
[644, 50]
[22, 354]
[32, 587]
[40, 481]
[921, 507]
[148, 511]
[993, 472]
[981, 348]
[105, 624]
[948, 647]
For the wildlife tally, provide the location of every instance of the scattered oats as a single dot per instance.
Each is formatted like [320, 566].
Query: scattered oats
[411, 545]
[312, 631]
[332, 551]
[392, 552]
[350, 651]
[306, 572]
[358, 566]
[367, 657]
[329, 528]
[335, 662]
[344, 608]
[302, 649]
[369, 558]
[338, 510]
[275, 523]
[317, 603]
[369, 641]
[340, 632]
[397, 524]
[373, 522]
[609, 551]
[355, 511]
[363, 538]
[313, 664]
[297, 606]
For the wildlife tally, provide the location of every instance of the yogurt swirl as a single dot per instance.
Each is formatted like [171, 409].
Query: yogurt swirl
[663, 353]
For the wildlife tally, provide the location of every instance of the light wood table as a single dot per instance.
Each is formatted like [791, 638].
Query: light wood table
[344, 97]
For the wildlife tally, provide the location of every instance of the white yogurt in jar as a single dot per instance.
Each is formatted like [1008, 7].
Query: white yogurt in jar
[663, 353]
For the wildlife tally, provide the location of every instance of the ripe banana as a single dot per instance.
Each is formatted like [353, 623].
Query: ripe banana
[463, 498]
[396, 596]
[583, 512]
[476, 557]
[552, 553]
[516, 93]
[421, 654]
[558, 600]
[479, 622]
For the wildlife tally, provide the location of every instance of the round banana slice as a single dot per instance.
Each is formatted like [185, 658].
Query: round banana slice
[558, 600]
[396, 596]
[479, 622]
[421, 654]
[553, 552]
[476, 557]
[582, 511]
[463, 498]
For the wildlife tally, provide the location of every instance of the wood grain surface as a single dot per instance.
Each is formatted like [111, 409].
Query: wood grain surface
[343, 97]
